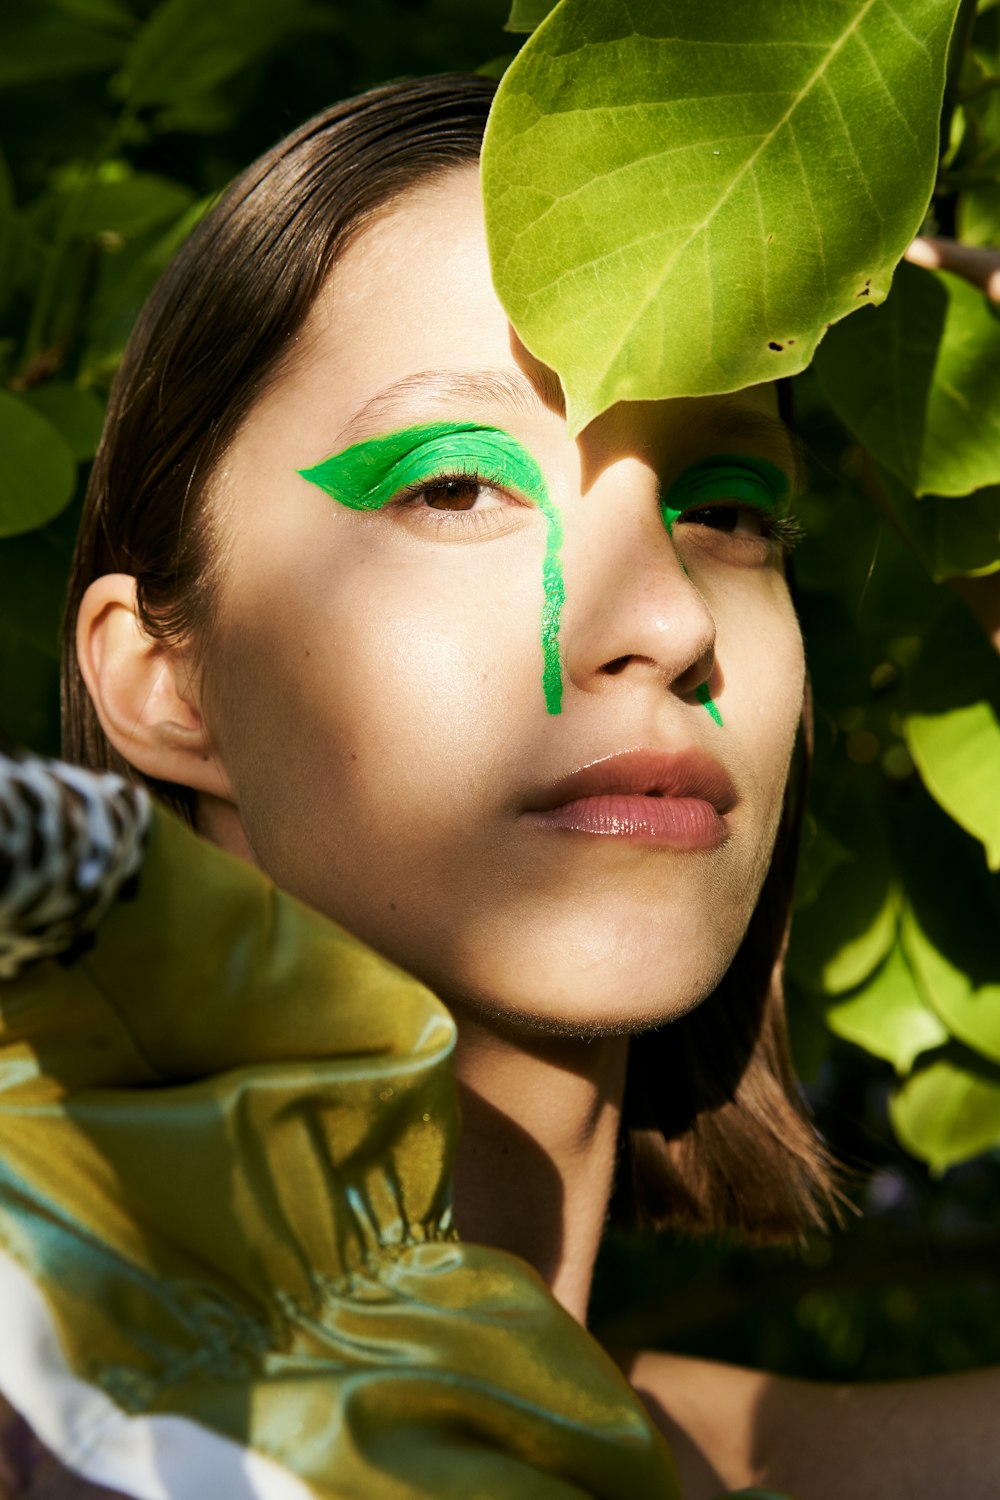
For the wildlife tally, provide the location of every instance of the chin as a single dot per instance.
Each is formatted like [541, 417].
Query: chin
[617, 985]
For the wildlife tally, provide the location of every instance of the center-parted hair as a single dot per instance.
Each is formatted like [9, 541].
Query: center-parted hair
[714, 1133]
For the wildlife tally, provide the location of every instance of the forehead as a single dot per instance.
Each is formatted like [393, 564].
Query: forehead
[409, 312]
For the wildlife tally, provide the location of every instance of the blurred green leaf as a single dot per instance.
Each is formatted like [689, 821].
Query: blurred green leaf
[917, 380]
[954, 536]
[77, 415]
[948, 932]
[36, 44]
[952, 725]
[820, 855]
[37, 468]
[714, 207]
[525, 15]
[839, 939]
[978, 218]
[888, 1016]
[188, 45]
[113, 14]
[126, 203]
[945, 1113]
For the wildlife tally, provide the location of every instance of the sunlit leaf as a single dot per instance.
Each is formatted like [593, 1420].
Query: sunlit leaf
[37, 468]
[888, 1016]
[917, 380]
[752, 175]
[952, 726]
[76, 415]
[945, 1113]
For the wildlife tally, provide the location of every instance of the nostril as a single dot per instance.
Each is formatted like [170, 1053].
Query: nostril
[612, 668]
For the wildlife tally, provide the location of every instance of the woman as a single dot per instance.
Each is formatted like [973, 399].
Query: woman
[519, 713]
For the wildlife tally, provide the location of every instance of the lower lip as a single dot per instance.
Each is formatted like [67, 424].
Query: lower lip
[671, 822]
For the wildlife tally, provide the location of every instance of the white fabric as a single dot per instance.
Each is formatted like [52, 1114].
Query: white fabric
[146, 1457]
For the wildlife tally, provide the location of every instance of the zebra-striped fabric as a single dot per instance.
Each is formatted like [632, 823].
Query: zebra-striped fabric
[70, 840]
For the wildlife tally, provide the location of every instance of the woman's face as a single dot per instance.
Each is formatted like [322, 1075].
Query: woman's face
[375, 686]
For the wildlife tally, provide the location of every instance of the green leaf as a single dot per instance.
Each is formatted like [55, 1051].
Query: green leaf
[888, 1016]
[36, 46]
[820, 855]
[131, 203]
[953, 536]
[839, 939]
[680, 198]
[188, 45]
[918, 382]
[945, 1114]
[952, 726]
[525, 15]
[949, 937]
[978, 218]
[37, 468]
[77, 415]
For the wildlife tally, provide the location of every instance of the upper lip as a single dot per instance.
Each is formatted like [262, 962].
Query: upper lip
[681, 773]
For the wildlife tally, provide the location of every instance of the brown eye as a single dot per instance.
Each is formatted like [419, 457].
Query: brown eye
[452, 494]
[729, 518]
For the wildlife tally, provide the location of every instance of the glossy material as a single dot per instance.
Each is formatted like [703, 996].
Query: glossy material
[225, 1143]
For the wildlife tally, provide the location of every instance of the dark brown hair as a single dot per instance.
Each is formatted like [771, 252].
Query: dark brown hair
[713, 1126]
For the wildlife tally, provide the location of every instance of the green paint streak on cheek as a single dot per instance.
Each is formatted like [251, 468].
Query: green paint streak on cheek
[371, 474]
[724, 478]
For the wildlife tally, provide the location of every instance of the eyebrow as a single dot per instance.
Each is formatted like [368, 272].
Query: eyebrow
[509, 389]
[514, 392]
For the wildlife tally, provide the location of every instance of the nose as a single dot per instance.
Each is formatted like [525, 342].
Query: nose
[632, 613]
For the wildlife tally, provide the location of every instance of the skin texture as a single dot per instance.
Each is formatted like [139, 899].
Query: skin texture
[369, 728]
[403, 645]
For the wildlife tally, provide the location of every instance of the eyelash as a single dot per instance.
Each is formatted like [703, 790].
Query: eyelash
[785, 531]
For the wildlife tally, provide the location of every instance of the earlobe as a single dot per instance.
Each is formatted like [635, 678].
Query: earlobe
[143, 692]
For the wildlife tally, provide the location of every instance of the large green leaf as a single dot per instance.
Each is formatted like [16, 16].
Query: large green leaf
[918, 382]
[37, 468]
[681, 198]
[945, 1113]
[889, 1016]
[952, 726]
[953, 536]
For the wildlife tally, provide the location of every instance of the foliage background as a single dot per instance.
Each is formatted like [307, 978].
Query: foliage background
[119, 120]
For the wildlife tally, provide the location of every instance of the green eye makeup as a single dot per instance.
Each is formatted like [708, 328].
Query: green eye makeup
[725, 477]
[370, 475]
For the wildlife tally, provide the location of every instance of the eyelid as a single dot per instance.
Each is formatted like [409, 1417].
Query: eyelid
[730, 476]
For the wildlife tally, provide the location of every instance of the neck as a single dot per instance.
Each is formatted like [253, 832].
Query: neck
[537, 1151]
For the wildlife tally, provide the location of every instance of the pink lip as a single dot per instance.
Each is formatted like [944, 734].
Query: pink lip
[675, 800]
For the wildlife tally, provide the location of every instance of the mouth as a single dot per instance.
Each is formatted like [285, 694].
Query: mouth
[676, 800]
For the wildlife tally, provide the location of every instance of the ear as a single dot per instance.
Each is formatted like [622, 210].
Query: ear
[144, 691]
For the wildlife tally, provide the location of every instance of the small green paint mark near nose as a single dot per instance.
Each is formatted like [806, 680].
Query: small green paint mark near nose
[704, 697]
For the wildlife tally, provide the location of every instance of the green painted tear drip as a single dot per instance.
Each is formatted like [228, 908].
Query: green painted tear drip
[371, 474]
[724, 476]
